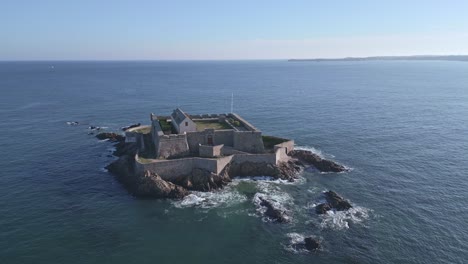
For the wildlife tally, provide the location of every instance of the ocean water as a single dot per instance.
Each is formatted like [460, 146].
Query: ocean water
[401, 126]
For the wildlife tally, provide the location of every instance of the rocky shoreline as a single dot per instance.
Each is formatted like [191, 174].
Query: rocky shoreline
[150, 185]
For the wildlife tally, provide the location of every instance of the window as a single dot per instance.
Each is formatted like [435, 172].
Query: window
[186, 123]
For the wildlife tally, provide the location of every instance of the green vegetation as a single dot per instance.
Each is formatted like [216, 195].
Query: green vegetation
[144, 160]
[166, 126]
[202, 125]
[269, 141]
[234, 122]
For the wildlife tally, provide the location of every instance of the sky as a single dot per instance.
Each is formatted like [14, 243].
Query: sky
[229, 30]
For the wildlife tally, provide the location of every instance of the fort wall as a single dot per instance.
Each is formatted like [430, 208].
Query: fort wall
[171, 146]
[248, 141]
[289, 145]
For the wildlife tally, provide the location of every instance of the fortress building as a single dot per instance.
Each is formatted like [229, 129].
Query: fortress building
[177, 144]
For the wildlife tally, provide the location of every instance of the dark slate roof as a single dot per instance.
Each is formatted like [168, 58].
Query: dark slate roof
[179, 116]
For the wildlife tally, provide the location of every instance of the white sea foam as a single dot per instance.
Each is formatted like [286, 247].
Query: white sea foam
[297, 239]
[341, 219]
[313, 150]
[272, 192]
[269, 179]
[225, 197]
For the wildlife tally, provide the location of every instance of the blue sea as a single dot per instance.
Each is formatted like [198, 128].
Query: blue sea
[401, 126]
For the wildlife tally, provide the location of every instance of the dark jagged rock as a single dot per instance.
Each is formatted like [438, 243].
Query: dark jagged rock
[152, 185]
[273, 212]
[321, 164]
[337, 202]
[147, 185]
[322, 208]
[130, 126]
[203, 180]
[285, 170]
[288, 170]
[334, 201]
[113, 137]
[311, 244]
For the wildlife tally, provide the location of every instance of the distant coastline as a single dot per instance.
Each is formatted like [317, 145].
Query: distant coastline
[387, 58]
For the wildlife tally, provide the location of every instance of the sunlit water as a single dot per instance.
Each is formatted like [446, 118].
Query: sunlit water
[402, 127]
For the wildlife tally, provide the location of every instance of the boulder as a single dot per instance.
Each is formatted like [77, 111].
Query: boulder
[334, 201]
[318, 162]
[311, 244]
[273, 212]
[337, 202]
[322, 208]
[113, 137]
[202, 180]
[146, 185]
[153, 186]
[288, 170]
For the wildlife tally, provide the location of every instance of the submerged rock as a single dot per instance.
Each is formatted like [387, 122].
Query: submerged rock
[334, 201]
[322, 208]
[311, 244]
[321, 164]
[113, 137]
[273, 212]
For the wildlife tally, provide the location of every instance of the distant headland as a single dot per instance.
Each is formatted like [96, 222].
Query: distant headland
[394, 58]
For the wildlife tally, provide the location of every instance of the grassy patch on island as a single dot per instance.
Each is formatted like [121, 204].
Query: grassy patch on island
[202, 125]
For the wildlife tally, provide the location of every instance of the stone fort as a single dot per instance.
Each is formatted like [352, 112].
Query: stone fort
[177, 144]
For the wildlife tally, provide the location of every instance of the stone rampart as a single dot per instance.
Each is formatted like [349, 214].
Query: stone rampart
[255, 158]
[207, 151]
[244, 122]
[289, 145]
[248, 141]
[171, 146]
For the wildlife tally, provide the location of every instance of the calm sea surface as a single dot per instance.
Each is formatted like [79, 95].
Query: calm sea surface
[401, 126]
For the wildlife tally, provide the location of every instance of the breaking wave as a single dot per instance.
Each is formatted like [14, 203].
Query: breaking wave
[273, 193]
[225, 197]
[339, 220]
[314, 150]
[294, 240]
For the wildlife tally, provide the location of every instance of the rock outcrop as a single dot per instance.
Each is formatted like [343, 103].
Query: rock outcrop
[311, 244]
[203, 180]
[147, 185]
[318, 162]
[333, 201]
[112, 137]
[273, 212]
[285, 170]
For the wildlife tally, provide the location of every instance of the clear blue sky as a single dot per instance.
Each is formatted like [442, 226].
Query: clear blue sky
[152, 29]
